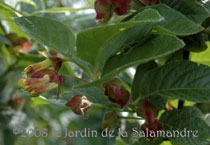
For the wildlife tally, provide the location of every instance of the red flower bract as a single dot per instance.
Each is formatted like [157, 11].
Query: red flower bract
[105, 8]
[153, 126]
[116, 94]
[149, 112]
[121, 7]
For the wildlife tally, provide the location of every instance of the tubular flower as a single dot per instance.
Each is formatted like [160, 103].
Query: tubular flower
[116, 94]
[51, 61]
[149, 112]
[79, 105]
[41, 81]
[105, 8]
[37, 67]
[30, 83]
[40, 78]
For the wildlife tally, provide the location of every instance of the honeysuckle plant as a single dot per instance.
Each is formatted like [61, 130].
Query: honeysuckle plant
[164, 42]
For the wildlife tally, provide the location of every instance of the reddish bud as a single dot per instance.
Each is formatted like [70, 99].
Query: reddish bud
[79, 104]
[121, 7]
[153, 126]
[149, 112]
[56, 63]
[110, 120]
[103, 9]
[116, 94]
[114, 82]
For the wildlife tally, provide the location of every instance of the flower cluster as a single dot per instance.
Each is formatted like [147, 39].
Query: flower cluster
[105, 8]
[150, 113]
[115, 93]
[79, 104]
[41, 78]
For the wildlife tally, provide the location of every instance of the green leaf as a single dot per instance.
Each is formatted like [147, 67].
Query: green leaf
[48, 32]
[158, 101]
[119, 141]
[62, 10]
[196, 43]
[193, 9]
[83, 64]
[202, 57]
[141, 70]
[92, 43]
[188, 118]
[38, 101]
[123, 41]
[182, 80]
[174, 22]
[206, 4]
[166, 143]
[142, 54]
[5, 40]
[29, 2]
[94, 95]
[8, 13]
[148, 51]
[207, 119]
[144, 141]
